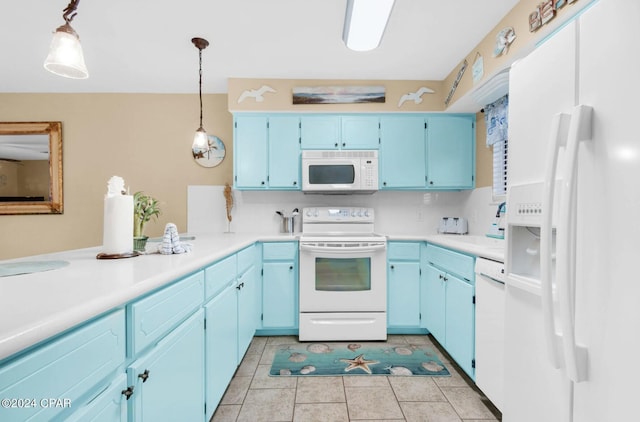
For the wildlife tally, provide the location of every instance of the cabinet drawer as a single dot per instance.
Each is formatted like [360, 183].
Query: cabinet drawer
[65, 368]
[451, 261]
[279, 250]
[404, 251]
[153, 316]
[246, 258]
[218, 275]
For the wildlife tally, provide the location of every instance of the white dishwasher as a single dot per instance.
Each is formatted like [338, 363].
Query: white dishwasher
[490, 305]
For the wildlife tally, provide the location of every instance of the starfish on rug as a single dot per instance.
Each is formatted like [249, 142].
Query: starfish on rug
[359, 362]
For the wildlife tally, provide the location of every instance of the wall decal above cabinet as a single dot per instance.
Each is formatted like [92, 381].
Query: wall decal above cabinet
[256, 94]
[416, 97]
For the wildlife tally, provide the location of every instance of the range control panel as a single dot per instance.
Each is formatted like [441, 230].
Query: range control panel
[338, 214]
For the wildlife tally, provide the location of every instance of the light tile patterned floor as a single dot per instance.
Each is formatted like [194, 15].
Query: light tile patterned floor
[254, 396]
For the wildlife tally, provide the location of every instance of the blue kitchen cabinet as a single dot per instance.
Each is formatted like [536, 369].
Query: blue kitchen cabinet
[451, 152]
[339, 132]
[221, 344]
[110, 405]
[284, 152]
[448, 302]
[168, 380]
[250, 152]
[69, 367]
[360, 132]
[403, 286]
[402, 152]
[249, 291]
[279, 285]
[267, 152]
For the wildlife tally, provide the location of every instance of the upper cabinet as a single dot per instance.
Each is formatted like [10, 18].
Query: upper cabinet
[339, 132]
[267, 152]
[426, 151]
[402, 152]
[451, 144]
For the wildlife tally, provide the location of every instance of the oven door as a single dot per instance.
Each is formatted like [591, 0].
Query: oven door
[343, 276]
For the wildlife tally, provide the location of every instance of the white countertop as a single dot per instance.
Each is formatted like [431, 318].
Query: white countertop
[34, 307]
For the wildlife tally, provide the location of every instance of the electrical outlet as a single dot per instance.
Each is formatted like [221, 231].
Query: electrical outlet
[421, 211]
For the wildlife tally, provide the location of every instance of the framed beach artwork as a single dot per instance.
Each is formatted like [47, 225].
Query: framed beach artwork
[338, 94]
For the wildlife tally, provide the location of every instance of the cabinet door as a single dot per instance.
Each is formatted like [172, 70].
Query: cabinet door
[450, 152]
[280, 295]
[169, 379]
[221, 344]
[249, 308]
[284, 152]
[320, 132]
[460, 321]
[403, 294]
[110, 405]
[360, 132]
[433, 302]
[402, 152]
[250, 151]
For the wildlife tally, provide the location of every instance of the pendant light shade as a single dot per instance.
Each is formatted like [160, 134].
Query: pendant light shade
[200, 139]
[65, 56]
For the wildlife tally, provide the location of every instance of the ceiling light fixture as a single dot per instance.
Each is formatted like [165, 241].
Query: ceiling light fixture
[200, 140]
[365, 22]
[65, 52]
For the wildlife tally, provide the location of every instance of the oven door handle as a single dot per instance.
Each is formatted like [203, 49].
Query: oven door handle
[368, 248]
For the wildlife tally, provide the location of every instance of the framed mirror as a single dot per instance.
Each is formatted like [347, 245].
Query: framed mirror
[31, 168]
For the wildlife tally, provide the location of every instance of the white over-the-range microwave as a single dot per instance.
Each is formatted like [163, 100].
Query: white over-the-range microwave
[339, 171]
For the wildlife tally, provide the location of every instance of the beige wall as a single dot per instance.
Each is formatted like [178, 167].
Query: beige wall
[518, 18]
[144, 138]
[281, 100]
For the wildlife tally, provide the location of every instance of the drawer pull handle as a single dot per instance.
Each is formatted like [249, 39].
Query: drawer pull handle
[393, 267]
[144, 376]
[290, 267]
[128, 392]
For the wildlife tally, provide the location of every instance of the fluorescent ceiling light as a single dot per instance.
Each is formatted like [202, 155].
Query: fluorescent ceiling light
[365, 22]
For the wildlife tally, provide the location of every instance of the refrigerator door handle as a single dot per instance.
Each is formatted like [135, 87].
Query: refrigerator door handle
[558, 139]
[575, 355]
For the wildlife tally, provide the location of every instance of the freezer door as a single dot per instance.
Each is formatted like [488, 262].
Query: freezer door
[540, 86]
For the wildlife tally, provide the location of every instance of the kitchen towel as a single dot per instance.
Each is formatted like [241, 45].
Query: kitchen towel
[171, 241]
[496, 117]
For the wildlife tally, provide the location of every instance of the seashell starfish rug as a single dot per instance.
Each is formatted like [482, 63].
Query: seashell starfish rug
[336, 359]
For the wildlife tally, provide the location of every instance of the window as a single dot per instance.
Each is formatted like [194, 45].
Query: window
[500, 154]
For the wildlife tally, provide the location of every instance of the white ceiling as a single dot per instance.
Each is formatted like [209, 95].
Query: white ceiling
[145, 45]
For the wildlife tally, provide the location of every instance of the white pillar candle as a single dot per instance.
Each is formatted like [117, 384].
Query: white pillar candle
[118, 224]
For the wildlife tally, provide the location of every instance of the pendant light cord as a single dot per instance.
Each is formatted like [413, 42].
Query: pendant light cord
[200, 85]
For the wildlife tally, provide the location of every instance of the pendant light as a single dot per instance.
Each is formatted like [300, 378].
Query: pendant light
[65, 52]
[200, 141]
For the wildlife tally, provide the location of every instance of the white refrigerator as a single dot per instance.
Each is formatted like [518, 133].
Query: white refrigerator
[572, 315]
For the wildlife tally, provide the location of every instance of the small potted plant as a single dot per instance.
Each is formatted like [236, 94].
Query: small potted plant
[144, 207]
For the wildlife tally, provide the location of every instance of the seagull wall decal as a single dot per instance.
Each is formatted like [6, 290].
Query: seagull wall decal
[415, 96]
[257, 94]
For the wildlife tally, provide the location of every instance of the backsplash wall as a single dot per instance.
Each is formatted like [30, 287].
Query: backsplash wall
[397, 212]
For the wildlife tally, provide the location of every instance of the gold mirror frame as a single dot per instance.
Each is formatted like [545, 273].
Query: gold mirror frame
[55, 204]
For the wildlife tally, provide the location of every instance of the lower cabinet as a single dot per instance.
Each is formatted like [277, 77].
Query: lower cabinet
[448, 302]
[58, 378]
[221, 345]
[110, 405]
[168, 380]
[403, 285]
[279, 285]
